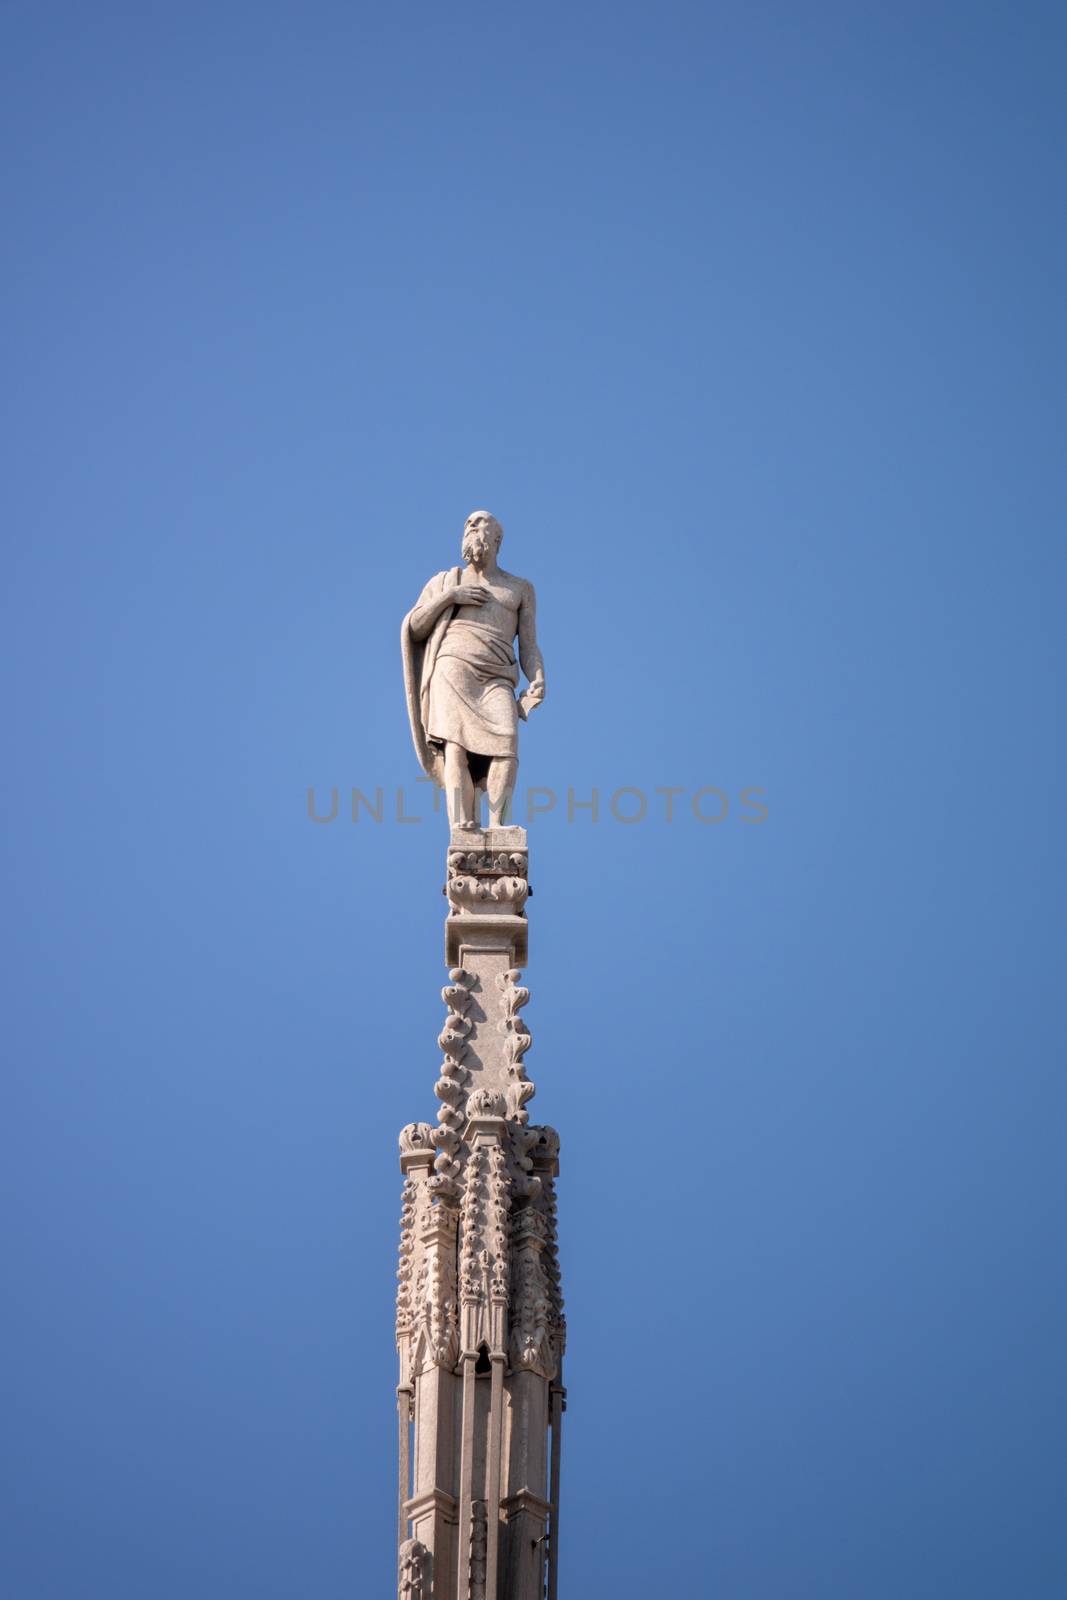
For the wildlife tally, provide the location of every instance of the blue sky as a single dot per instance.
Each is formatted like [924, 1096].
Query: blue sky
[747, 323]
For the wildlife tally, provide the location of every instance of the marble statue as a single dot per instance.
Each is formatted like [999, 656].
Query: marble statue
[461, 675]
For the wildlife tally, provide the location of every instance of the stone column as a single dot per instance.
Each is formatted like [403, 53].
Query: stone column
[479, 1314]
[431, 1509]
[557, 1406]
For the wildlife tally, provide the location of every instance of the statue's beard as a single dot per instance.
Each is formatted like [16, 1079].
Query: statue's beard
[476, 551]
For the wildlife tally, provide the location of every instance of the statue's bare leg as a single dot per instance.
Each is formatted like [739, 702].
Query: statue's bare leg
[500, 786]
[459, 787]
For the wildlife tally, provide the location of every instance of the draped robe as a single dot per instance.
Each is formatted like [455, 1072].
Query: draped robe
[460, 684]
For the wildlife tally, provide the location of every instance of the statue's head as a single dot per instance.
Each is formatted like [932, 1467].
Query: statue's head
[482, 533]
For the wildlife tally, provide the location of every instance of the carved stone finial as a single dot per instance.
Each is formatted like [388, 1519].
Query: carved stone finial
[484, 1103]
[416, 1136]
[414, 1571]
[545, 1147]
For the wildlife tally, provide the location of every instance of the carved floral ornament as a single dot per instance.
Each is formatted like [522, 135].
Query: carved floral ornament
[404, 1308]
[550, 1260]
[525, 1185]
[450, 1087]
[415, 1137]
[517, 1040]
[464, 892]
[436, 1326]
[414, 1573]
[484, 1103]
[487, 880]
[546, 1143]
[533, 1343]
[484, 863]
[484, 1251]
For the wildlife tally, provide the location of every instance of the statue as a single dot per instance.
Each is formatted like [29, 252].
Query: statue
[461, 675]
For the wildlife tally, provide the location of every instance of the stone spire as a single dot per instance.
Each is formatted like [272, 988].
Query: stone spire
[480, 1327]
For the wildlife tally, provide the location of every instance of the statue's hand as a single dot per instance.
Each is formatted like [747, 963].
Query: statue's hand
[468, 594]
[531, 698]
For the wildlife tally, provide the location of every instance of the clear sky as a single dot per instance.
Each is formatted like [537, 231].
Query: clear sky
[747, 321]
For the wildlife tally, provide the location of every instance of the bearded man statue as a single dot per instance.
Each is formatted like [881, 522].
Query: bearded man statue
[460, 675]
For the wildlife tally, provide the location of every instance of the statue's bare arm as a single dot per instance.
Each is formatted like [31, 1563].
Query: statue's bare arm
[529, 654]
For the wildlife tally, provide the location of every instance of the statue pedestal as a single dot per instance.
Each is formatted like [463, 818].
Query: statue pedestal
[480, 1327]
[487, 889]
